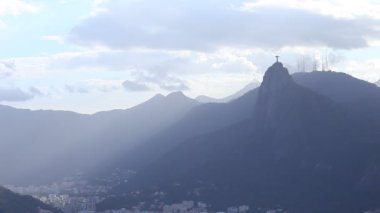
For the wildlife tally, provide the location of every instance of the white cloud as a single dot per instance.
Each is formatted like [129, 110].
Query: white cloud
[7, 68]
[135, 86]
[56, 38]
[161, 71]
[209, 25]
[161, 79]
[17, 7]
[89, 86]
[17, 95]
[211, 47]
[334, 8]
[368, 69]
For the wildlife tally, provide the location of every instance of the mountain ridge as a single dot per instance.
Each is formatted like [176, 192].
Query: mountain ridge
[107, 133]
[239, 93]
[306, 153]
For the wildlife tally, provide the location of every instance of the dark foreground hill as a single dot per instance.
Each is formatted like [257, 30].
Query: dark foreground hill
[298, 149]
[15, 203]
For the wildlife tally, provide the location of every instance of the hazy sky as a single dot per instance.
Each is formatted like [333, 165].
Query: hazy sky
[91, 55]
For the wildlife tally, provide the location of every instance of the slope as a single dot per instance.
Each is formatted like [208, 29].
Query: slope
[300, 151]
[241, 92]
[14, 203]
[42, 146]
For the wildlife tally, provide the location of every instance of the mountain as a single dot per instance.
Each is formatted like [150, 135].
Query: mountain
[30, 139]
[210, 117]
[298, 149]
[340, 87]
[199, 120]
[14, 203]
[244, 90]
[336, 85]
[52, 143]
[207, 99]
[124, 128]
[378, 83]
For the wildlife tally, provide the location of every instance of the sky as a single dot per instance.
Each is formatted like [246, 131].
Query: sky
[94, 55]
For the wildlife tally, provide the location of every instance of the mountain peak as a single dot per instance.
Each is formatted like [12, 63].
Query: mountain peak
[177, 94]
[276, 95]
[275, 78]
[157, 97]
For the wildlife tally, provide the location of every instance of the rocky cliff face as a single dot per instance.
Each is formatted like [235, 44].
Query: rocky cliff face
[283, 106]
[276, 83]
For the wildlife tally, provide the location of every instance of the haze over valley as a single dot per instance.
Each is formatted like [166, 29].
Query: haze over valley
[241, 106]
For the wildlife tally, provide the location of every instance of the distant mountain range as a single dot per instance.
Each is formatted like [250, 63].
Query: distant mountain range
[206, 118]
[14, 203]
[307, 143]
[44, 146]
[307, 140]
[247, 88]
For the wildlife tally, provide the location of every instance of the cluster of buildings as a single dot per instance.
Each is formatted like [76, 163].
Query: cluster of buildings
[68, 185]
[69, 204]
[184, 207]
[75, 194]
[276, 211]
[78, 200]
[373, 211]
[71, 195]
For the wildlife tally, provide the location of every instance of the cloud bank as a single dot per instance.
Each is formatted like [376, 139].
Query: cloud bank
[18, 95]
[209, 25]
